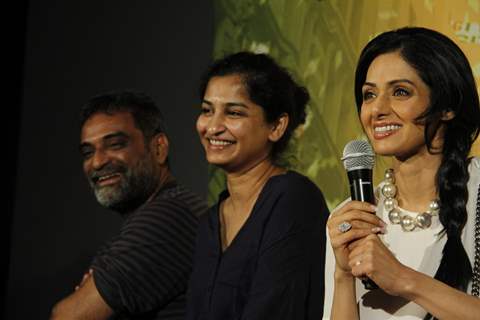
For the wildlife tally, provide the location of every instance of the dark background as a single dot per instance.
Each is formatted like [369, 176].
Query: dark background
[62, 53]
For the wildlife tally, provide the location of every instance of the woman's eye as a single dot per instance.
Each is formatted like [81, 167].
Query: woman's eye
[205, 110]
[367, 95]
[234, 113]
[401, 92]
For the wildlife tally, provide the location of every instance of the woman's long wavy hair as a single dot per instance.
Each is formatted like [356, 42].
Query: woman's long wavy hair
[442, 65]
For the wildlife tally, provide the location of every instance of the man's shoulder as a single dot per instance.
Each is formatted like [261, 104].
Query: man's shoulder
[175, 199]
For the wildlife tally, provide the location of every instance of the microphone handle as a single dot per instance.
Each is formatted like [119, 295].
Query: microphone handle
[361, 189]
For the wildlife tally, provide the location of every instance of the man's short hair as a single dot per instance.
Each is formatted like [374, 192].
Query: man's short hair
[146, 114]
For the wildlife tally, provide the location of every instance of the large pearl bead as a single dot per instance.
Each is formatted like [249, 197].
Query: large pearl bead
[394, 216]
[434, 207]
[407, 223]
[390, 203]
[389, 177]
[389, 190]
[423, 220]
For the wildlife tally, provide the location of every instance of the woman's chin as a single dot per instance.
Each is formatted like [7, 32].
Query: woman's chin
[218, 161]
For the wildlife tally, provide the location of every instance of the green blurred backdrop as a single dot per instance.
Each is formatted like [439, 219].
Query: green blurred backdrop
[319, 41]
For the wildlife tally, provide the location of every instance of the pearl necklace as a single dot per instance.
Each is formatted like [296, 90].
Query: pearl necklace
[422, 220]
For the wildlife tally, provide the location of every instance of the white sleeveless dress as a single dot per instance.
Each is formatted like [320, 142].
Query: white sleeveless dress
[420, 249]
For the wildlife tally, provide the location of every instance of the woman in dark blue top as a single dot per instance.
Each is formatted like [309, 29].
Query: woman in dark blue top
[260, 250]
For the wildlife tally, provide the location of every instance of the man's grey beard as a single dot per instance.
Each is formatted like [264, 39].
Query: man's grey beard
[136, 185]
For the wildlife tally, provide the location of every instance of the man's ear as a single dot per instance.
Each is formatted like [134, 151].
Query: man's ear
[447, 115]
[160, 147]
[279, 127]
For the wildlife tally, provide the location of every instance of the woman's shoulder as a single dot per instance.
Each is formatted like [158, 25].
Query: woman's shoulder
[474, 172]
[207, 220]
[474, 166]
[292, 200]
[293, 181]
[294, 192]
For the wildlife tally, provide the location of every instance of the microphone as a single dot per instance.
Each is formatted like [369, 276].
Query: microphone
[358, 159]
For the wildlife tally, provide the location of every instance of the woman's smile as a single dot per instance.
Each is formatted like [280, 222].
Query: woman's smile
[232, 128]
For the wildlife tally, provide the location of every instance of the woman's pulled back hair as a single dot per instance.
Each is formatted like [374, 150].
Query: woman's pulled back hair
[268, 85]
[443, 67]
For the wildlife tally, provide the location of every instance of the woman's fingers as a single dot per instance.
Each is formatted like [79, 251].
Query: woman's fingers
[354, 205]
[343, 239]
[349, 224]
[357, 220]
[354, 261]
[371, 258]
[356, 215]
[355, 210]
[361, 224]
[374, 230]
[353, 221]
[361, 255]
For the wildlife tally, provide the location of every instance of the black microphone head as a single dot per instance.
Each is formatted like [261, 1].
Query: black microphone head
[358, 154]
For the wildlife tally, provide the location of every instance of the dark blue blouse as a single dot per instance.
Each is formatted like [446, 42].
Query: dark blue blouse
[273, 269]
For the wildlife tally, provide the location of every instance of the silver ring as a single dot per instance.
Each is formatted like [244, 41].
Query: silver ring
[344, 226]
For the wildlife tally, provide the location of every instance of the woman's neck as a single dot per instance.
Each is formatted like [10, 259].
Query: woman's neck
[415, 179]
[245, 186]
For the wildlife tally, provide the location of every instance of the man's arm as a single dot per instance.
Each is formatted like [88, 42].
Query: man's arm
[86, 303]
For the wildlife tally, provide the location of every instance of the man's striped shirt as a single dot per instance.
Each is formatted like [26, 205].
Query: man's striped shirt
[143, 272]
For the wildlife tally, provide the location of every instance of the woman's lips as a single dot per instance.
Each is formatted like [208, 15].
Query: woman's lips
[219, 144]
[384, 131]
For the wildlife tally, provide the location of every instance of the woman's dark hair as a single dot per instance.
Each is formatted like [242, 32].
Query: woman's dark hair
[143, 109]
[268, 85]
[443, 67]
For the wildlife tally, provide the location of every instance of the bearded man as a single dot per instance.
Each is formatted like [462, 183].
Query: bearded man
[143, 272]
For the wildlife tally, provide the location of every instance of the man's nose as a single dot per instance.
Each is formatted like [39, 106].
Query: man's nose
[99, 159]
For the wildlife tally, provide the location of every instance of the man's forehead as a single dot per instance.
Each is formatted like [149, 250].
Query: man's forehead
[102, 125]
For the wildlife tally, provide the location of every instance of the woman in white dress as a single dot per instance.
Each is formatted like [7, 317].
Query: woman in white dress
[418, 103]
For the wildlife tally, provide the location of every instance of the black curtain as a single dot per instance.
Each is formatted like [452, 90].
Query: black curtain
[74, 50]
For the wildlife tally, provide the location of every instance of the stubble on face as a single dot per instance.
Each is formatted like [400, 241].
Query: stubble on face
[137, 184]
